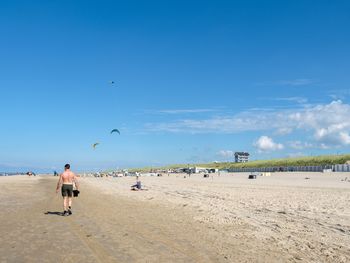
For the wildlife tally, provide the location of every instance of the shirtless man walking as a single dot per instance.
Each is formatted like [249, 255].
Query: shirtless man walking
[67, 178]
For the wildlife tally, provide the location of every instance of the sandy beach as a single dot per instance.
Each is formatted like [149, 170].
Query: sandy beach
[228, 218]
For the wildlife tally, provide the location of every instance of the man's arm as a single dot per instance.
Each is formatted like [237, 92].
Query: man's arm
[59, 183]
[75, 178]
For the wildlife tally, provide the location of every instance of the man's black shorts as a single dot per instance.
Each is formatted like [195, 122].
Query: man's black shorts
[67, 190]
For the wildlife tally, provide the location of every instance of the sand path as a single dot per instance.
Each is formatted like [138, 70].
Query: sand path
[102, 228]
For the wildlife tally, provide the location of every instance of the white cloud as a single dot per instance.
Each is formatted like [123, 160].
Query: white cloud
[344, 137]
[328, 124]
[300, 100]
[226, 153]
[179, 111]
[246, 121]
[284, 131]
[289, 82]
[298, 145]
[334, 134]
[296, 82]
[266, 144]
[339, 94]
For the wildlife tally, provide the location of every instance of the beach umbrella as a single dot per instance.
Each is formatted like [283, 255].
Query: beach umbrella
[115, 130]
[95, 144]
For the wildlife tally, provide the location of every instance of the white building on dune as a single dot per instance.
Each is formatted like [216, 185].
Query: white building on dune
[241, 157]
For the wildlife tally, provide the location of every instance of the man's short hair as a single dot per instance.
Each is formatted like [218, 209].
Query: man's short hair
[67, 166]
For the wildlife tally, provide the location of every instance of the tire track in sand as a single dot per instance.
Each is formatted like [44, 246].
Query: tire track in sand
[99, 253]
[148, 233]
[89, 241]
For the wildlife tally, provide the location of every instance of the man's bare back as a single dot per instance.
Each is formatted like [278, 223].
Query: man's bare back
[68, 177]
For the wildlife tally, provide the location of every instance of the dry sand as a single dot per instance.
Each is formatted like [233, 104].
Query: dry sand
[227, 218]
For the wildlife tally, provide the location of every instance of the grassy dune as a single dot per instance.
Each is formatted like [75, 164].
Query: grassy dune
[301, 161]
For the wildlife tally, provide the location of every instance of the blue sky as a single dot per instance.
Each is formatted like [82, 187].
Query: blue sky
[194, 81]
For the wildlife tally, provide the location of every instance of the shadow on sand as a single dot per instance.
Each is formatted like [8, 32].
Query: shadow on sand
[54, 213]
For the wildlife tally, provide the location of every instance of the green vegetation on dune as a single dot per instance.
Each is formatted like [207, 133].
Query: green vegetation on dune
[301, 161]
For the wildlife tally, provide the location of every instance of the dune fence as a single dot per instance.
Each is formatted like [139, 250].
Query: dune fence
[316, 168]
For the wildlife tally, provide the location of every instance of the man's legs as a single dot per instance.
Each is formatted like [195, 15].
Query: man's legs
[65, 203]
[67, 199]
[70, 205]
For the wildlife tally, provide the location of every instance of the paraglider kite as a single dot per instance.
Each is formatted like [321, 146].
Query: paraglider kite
[115, 130]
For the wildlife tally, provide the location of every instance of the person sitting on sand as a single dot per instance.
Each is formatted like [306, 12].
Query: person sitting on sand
[66, 179]
[137, 186]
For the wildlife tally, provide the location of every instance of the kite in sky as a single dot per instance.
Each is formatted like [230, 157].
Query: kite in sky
[115, 130]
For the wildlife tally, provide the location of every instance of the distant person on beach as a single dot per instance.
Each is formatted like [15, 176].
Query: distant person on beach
[66, 181]
[137, 186]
